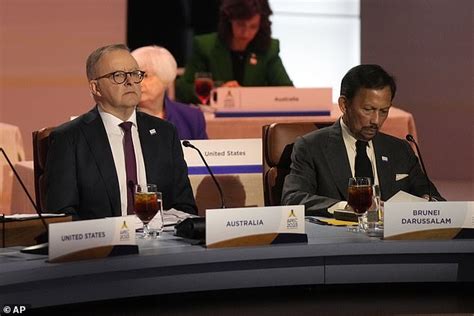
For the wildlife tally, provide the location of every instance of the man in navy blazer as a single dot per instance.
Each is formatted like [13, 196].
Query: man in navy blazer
[85, 169]
[324, 160]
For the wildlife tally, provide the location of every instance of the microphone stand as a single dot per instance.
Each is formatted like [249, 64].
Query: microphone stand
[186, 143]
[195, 227]
[411, 139]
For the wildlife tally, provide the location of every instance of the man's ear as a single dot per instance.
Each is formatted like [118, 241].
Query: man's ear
[94, 88]
[343, 103]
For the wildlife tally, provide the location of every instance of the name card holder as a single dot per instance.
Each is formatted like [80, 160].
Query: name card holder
[91, 239]
[254, 226]
[428, 220]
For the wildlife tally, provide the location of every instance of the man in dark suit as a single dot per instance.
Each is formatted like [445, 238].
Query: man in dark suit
[324, 160]
[94, 161]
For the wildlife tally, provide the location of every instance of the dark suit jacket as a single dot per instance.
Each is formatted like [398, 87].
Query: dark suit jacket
[211, 55]
[320, 170]
[188, 119]
[80, 173]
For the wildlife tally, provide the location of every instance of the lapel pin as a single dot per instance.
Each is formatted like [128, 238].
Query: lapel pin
[384, 158]
[152, 131]
[253, 59]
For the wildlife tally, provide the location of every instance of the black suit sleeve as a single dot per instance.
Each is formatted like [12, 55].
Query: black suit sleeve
[301, 185]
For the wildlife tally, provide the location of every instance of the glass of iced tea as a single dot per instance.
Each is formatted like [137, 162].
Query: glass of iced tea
[203, 85]
[360, 196]
[147, 203]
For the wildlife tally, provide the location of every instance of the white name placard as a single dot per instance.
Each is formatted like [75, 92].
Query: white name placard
[252, 99]
[90, 238]
[427, 220]
[225, 152]
[253, 225]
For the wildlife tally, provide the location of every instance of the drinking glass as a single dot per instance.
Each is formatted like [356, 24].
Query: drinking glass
[375, 215]
[147, 204]
[203, 85]
[360, 197]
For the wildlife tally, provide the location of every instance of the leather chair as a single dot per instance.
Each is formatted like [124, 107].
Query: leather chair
[40, 152]
[278, 140]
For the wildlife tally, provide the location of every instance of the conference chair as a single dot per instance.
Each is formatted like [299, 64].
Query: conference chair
[40, 152]
[277, 141]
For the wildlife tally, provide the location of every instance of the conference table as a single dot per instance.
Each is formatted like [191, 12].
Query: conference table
[12, 143]
[399, 123]
[172, 265]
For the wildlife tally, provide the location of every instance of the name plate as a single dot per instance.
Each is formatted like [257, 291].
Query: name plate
[428, 220]
[272, 99]
[91, 239]
[225, 156]
[251, 226]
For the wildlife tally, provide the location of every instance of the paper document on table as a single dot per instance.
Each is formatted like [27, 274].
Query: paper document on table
[170, 218]
[31, 216]
[402, 196]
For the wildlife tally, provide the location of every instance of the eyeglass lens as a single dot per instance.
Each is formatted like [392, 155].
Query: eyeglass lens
[121, 76]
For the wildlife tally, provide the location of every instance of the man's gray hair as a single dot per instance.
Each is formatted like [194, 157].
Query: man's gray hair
[95, 56]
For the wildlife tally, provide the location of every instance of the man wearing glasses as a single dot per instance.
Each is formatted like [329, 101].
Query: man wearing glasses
[95, 160]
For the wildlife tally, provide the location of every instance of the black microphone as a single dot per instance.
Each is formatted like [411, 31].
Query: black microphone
[411, 139]
[42, 248]
[186, 143]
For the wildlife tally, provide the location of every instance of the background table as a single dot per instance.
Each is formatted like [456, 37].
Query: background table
[399, 123]
[12, 144]
[20, 204]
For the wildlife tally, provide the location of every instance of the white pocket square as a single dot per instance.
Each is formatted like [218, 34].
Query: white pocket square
[400, 176]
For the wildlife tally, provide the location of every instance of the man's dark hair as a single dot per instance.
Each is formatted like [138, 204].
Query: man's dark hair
[368, 77]
[243, 10]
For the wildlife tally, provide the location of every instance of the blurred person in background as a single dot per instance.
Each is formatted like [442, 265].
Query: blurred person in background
[241, 53]
[160, 71]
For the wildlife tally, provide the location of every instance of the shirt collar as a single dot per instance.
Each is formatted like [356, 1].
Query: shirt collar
[347, 136]
[112, 122]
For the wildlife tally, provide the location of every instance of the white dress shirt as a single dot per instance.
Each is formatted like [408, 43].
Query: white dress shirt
[350, 142]
[115, 135]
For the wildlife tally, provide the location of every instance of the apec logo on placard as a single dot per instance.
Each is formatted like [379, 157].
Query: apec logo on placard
[124, 232]
[292, 221]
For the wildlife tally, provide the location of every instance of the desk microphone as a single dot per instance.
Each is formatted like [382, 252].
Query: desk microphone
[186, 143]
[40, 249]
[411, 139]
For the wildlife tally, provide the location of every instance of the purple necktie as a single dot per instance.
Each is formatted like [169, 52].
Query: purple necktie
[130, 163]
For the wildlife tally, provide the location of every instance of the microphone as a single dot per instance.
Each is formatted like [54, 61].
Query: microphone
[186, 143]
[41, 248]
[411, 139]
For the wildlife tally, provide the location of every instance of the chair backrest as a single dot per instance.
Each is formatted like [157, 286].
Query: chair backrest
[40, 152]
[278, 140]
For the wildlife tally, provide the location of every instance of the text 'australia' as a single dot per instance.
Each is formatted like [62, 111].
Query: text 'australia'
[250, 222]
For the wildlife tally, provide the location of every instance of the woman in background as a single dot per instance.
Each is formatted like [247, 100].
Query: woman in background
[160, 71]
[242, 53]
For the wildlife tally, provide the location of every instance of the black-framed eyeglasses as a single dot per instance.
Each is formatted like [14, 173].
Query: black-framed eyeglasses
[120, 77]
